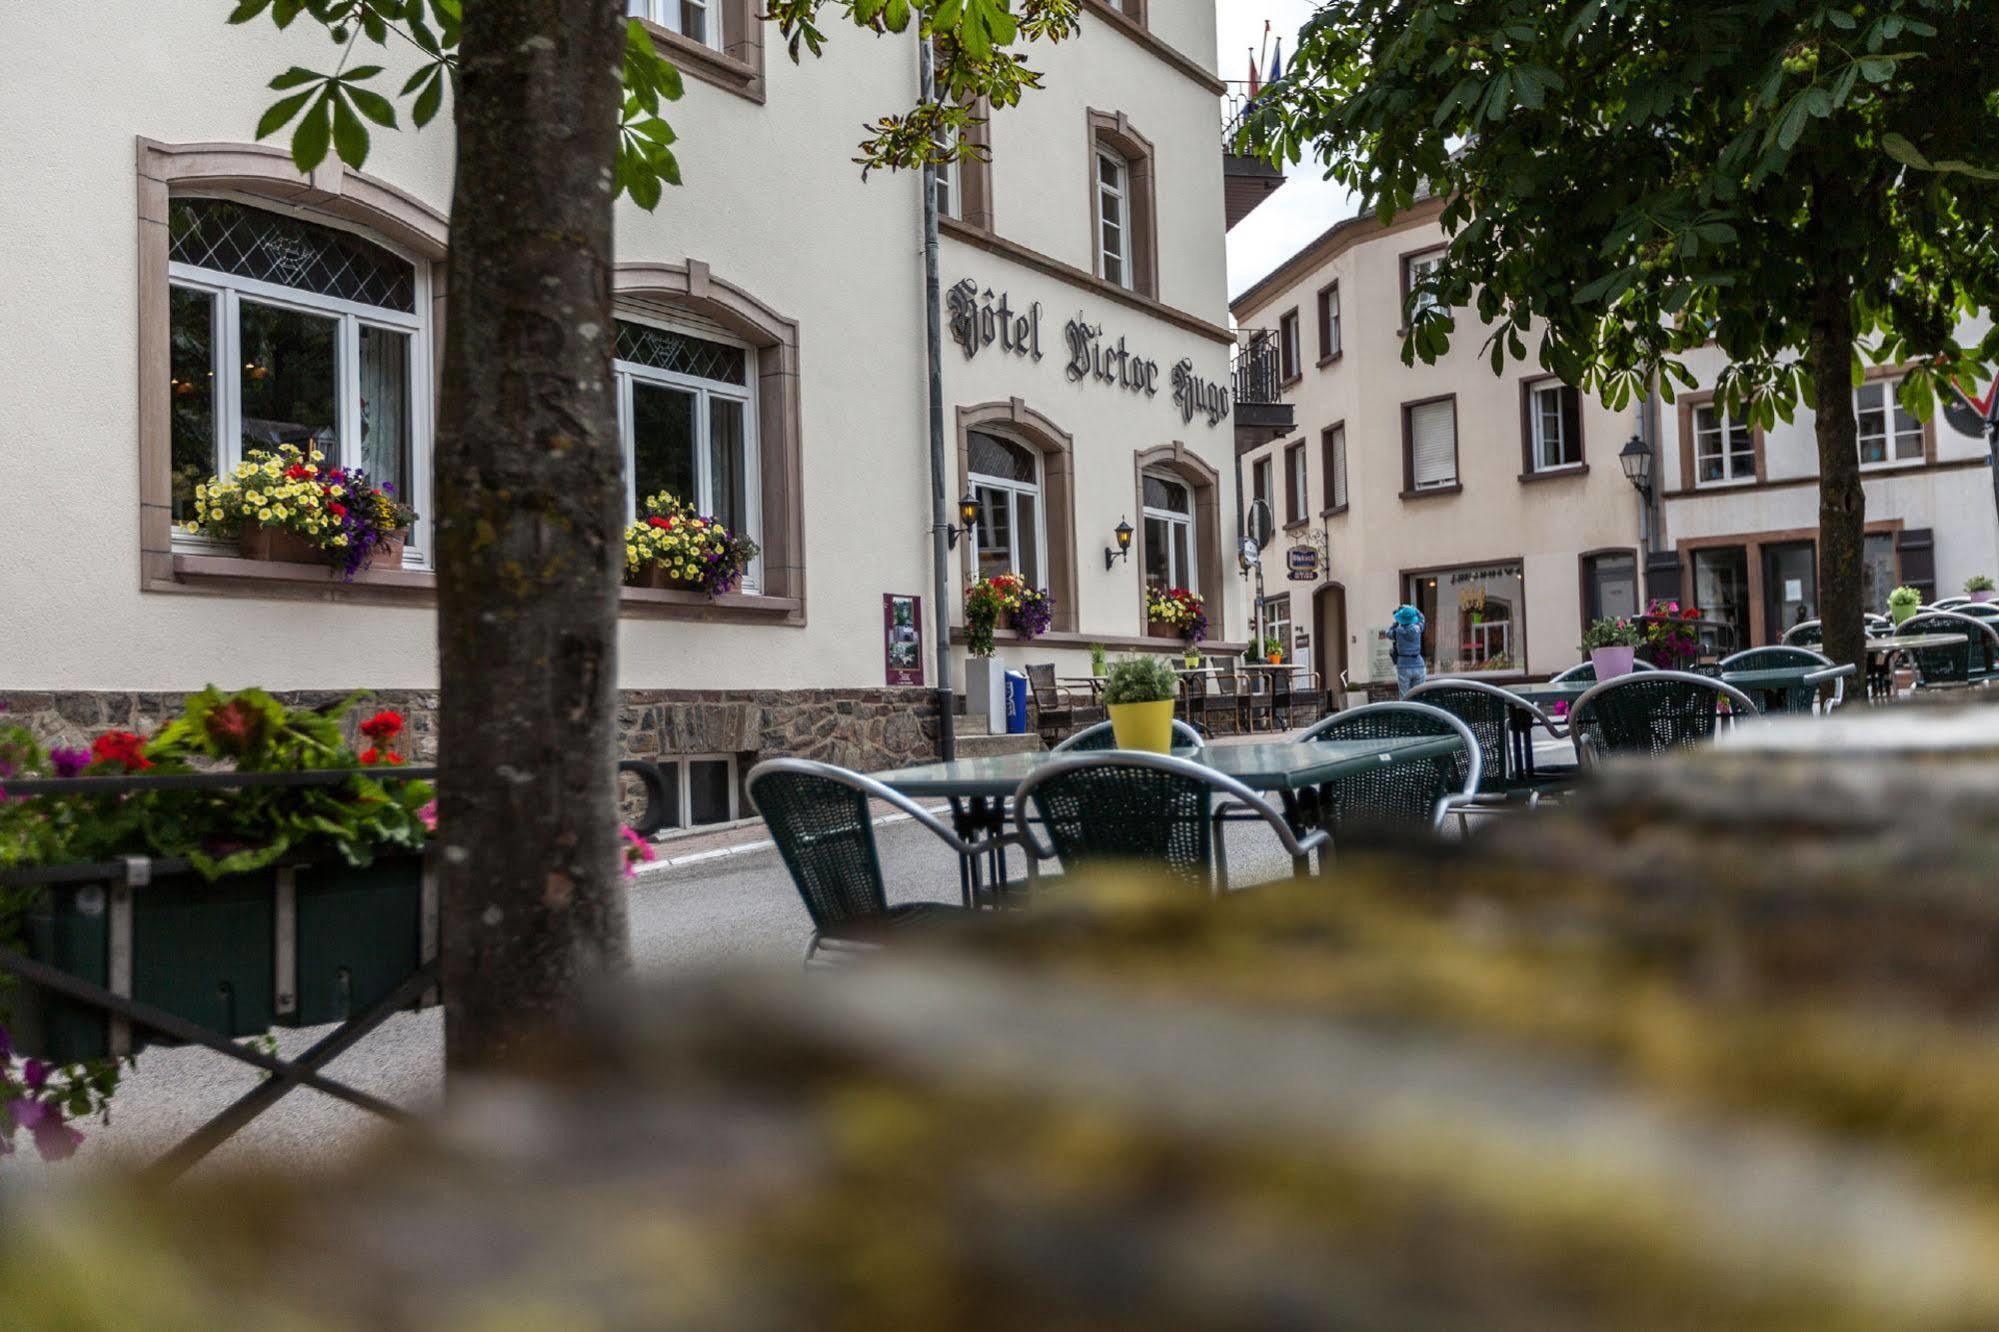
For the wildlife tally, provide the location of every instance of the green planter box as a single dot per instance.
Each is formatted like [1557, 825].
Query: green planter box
[360, 935]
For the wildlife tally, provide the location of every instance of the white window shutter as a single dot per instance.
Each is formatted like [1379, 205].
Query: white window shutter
[1340, 467]
[1433, 444]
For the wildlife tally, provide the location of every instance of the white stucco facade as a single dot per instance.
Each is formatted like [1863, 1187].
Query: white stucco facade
[773, 212]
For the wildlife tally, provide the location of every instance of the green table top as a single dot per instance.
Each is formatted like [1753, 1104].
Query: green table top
[1283, 766]
[1749, 682]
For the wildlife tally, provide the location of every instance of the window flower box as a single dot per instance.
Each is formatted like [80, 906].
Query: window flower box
[281, 505]
[1175, 612]
[676, 549]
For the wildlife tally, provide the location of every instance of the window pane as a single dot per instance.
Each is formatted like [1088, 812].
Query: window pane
[290, 374]
[989, 455]
[1109, 172]
[682, 354]
[669, 774]
[1158, 557]
[1613, 586]
[1163, 494]
[728, 464]
[708, 791]
[663, 442]
[191, 316]
[1027, 528]
[995, 530]
[1433, 443]
[1183, 566]
[385, 409]
[234, 238]
[694, 22]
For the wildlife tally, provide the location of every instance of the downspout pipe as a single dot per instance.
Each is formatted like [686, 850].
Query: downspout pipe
[940, 501]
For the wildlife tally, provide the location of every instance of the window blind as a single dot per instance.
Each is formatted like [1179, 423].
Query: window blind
[1433, 444]
[1336, 467]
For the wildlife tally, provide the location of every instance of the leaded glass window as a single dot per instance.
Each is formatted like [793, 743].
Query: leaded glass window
[229, 237]
[681, 353]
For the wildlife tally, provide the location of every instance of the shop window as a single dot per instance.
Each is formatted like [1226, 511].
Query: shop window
[288, 331]
[1473, 618]
[1721, 588]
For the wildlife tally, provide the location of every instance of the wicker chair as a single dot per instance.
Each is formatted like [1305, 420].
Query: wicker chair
[1101, 737]
[1584, 672]
[818, 816]
[1802, 698]
[1398, 797]
[1057, 710]
[1651, 714]
[1956, 665]
[1499, 719]
[1805, 633]
[1223, 698]
[1151, 809]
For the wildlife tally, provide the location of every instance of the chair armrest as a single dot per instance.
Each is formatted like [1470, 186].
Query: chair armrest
[1832, 673]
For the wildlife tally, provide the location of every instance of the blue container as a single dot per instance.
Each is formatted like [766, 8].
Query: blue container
[1016, 703]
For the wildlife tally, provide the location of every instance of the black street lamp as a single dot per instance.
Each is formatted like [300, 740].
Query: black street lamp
[968, 518]
[1636, 460]
[1112, 554]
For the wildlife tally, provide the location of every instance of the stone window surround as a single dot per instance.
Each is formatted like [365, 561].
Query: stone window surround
[1015, 420]
[344, 195]
[1204, 482]
[738, 67]
[1113, 130]
[1530, 472]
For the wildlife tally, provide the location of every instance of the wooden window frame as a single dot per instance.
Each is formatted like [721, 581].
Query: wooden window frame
[1335, 467]
[1331, 333]
[1290, 348]
[1296, 486]
[1409, 490]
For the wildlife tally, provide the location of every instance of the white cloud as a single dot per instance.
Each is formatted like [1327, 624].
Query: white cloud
[1307, 204]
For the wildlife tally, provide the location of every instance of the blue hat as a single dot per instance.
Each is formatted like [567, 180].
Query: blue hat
[1408, 615]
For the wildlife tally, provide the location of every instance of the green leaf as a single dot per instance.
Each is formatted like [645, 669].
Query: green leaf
[374, 106]
[350, 136]
[309, 140]
[281, 113]
[1899, 148]
[248, 10]
[293, 77]
[427, 102]
[1877, 69]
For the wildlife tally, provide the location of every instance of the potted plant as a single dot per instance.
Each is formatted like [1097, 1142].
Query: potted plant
[1271, 649]
[1979, 587]
[1903, 603]
[1140, 694]
[1026, 610]
[286, 505]
[1611, 645]
[1672, 638]
[1191, 658]
[1175, 612]
[676, 549]
[1098, 659]
[1472, 602]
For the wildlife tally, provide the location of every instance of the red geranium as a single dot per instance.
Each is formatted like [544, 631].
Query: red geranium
[372, 756]
[384, 725]
[659, 522]
[121, 747]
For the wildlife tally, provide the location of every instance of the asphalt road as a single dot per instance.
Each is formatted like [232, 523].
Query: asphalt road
[736, 911]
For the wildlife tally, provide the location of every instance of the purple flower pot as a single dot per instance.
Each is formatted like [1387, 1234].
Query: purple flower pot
[1611, 662]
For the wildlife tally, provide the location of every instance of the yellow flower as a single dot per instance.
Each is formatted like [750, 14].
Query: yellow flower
[193, 529]
[215, 514]
[317, 456]
[263, 515]
[340, 540]
[201, 492]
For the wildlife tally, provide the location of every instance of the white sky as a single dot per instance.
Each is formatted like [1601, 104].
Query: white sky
[1307, 205]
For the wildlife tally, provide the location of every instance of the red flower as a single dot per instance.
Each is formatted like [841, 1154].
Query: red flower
[384, 725]
[121, 747]
[296, 471]
[336, 509]
[659, 522]
[370, 757]
[392, 758]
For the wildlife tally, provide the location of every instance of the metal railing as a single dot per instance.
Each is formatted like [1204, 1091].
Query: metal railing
[1258, 370]
[1236, 101]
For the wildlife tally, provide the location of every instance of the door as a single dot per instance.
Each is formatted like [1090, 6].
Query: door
[1329, 636]
[1721, 588]
[1790, 587]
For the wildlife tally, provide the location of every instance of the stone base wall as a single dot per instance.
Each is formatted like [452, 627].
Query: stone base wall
[865, 729]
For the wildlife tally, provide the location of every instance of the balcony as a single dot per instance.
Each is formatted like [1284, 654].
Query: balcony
[1261, 414]
[1246, 181]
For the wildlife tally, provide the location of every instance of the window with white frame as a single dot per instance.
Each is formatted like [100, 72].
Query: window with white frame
[1431, 429]
[1006, 481]
[701, 789]
[1290, 357]
[697, 20]
[949, 198]
[1333, 445]
[1297, 486]
[289, 331]
[1416, 270]
[1724, 448]
[1886, 431]
[1113, 217]
[1169, 532]
[688, 425]
[1554, 421]
[1329, 322]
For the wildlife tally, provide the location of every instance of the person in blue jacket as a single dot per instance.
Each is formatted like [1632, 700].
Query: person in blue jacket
[1406, 648]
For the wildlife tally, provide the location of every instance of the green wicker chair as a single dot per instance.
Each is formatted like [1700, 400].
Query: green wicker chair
[1805, 633]
[1499, 719]
[1952, 665]
[1651, 714]
[1584, 672]
[1803, 698]
[1398, 798]
[818, 815]
[1123, 807]
[1098, 738]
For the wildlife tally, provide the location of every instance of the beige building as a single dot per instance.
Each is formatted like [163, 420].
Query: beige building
[177, 294]
[1494, 503]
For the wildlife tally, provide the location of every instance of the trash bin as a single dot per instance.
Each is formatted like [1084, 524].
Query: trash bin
[1016, 703]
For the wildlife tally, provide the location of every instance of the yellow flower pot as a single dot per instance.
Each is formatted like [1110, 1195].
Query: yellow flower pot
[1145, 726]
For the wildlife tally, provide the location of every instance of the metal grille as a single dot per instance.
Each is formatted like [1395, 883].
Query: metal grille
[682, 354]
[234, 238]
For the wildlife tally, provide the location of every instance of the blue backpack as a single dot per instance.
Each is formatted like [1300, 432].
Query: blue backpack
[1407, 641]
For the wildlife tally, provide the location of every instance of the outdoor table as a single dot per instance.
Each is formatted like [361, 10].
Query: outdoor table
[979, 788]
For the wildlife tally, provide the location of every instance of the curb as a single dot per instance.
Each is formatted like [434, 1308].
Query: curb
[660, 865]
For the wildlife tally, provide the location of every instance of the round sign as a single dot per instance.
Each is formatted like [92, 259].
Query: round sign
[1262, 526]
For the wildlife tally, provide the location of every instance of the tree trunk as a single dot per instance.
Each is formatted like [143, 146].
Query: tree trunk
[529, 506]
[1842, 501]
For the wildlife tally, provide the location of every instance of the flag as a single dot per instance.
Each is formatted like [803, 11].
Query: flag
[1255, 82]
[1277, 61]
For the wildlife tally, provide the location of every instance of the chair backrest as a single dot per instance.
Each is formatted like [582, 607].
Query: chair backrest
[1397, 797]
[1584, 672]
[1652, 714]
[1952, 663]
[1799, 698]
[1980, 610]
[1805, 633]
[1041, 680]
[1948, 603]
[818, 816]
[1103, 737]
[1488, 712]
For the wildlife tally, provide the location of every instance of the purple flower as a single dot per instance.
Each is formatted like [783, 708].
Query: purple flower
[69, 762]
[30, 1115]
[56, 1141]
[6, 1046]
[35, 1074]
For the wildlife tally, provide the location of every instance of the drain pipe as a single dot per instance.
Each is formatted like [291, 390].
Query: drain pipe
[940, 502]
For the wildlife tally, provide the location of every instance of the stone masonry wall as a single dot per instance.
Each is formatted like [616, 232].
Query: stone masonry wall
[865, 729]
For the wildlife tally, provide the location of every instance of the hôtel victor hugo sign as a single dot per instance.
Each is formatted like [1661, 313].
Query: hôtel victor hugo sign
[982, 318]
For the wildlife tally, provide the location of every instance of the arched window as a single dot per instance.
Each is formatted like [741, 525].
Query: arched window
[289, 331]
[1011, 533]
[1169, 533]
[688, 425]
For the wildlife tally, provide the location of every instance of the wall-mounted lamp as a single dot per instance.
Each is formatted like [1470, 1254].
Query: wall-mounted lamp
[1636, 460]
[968, 518]
[1112, 554]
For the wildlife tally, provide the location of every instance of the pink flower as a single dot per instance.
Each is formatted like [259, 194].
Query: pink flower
[428, 815]
[638, 851]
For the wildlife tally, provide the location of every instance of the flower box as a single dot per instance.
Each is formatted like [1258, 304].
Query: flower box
[292, 947]
[258, 542]
[656, 576]
[389, 550]
[1160, 629]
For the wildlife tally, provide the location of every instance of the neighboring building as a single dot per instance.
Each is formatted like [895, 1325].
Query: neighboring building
[1495, 503]
[1741, 506]
[771, 371]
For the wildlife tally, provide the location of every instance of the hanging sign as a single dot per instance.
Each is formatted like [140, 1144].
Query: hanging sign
[1303, 562]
